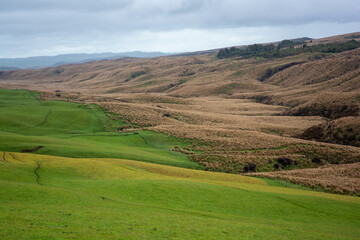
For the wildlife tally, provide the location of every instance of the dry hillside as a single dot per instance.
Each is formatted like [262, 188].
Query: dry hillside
[343, 179]
[234, 113]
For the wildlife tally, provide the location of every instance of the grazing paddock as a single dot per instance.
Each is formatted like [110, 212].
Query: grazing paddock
[48, 197]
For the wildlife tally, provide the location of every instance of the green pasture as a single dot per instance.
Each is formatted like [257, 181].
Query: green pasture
[76, 130]
[47, 197]
[91, 182]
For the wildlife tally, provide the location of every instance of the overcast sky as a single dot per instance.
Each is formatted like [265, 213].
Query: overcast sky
[49, 27]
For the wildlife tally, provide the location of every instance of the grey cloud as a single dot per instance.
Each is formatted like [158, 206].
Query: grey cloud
[78, 5]
[53, 21]
[174, 14]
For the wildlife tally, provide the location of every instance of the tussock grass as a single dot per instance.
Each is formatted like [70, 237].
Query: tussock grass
[222, 134]
[218, 105]
[341, 179]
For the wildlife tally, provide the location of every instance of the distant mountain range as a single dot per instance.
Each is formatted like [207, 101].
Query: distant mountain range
[55, 61]
[8, 68]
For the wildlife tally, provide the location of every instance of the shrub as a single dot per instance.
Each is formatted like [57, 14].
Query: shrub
[316, 160]
[276, 166]
[285, 161]
[286, 48]
[137, 74]
[250, 167]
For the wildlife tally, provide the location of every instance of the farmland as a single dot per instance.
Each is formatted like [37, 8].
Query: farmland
[75, 130]
[184, 147]
[47, 197]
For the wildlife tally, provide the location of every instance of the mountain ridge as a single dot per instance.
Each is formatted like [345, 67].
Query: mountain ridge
[36, 62]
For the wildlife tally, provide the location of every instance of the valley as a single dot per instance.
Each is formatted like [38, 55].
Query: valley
[169, 147]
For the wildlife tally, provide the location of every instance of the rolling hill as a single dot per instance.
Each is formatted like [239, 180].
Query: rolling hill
[47, 197]
[233, 111]
[75, 130]
[191, 146]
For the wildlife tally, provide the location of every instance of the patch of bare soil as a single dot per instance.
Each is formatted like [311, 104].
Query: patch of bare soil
[31, 150]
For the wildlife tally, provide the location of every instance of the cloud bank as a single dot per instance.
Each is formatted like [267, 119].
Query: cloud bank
[47, 27]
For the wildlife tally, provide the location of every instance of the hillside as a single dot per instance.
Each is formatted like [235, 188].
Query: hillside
[241, 121]
[233, 113]
[75, 130]
[342, 179]
[204, 75]
[295, 80]
[46, 197]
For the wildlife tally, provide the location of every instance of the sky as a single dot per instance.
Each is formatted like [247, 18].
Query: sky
[49, 27]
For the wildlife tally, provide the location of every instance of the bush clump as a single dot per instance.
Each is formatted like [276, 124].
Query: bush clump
[250, 167]
[286, 48]
[285, 161]
[276, 166]
[316, 160]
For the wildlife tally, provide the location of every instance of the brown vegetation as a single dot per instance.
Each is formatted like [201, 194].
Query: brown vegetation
[343, 178]
[232, 121]
[341, 131]
[225, 134]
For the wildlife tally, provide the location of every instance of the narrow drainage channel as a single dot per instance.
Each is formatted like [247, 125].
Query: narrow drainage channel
[37, 174]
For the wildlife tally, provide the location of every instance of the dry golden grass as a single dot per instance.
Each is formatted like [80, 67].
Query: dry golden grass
[218, 104]
[343, 178]
[334, 39]
[332, 77]
[226, 134]
[345, 131]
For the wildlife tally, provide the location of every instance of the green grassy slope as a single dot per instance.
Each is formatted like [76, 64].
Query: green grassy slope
[75, 130]
[47, 197]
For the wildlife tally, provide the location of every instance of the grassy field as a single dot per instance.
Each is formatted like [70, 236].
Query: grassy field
[48, 197]
[89, 181]
[76, 130]
[221, 103]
